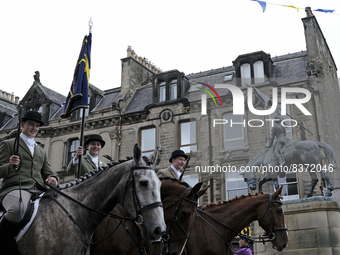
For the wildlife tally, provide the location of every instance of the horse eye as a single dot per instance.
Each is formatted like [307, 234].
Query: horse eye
[144, 183]
[185, 214]
[279, 210]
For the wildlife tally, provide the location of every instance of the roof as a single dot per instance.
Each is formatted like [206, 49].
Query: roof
[140, 100]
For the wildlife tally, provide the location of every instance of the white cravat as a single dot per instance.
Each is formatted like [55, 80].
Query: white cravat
[29, 142]
[178, 172]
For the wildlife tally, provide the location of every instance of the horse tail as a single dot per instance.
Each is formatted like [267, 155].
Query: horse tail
[328, 152]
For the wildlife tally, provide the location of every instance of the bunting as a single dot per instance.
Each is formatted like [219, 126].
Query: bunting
[263, 5]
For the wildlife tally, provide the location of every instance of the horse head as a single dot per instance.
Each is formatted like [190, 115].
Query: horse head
[271, 218]
[250, 178]
[180, 214]
[142, 198]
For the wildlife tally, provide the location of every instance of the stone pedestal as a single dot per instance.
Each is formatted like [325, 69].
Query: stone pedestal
[314, 228]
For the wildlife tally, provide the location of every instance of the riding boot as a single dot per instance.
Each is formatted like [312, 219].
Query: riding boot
[8, 231]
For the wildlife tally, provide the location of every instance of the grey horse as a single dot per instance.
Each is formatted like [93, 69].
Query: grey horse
[132, 183]
[299, 157]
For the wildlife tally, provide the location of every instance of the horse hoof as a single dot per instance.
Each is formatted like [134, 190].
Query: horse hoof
[328, 194]
[308, 195]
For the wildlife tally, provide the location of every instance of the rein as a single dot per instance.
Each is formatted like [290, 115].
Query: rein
[270, 235]
[139, 210]
[175, 218]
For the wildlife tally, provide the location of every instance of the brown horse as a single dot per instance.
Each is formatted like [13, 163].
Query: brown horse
[216, 225]
[180, 206]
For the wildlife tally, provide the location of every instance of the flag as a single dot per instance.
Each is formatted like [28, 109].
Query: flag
[291, 6]
[78, 95]
[324, 10]
[263, 4]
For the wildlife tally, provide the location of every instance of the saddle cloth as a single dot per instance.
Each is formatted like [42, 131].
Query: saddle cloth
[27, 222]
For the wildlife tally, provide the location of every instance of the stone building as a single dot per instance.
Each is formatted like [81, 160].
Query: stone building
[153, 107]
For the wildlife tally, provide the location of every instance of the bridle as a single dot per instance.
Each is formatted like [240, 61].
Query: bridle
[174, 219]
[138, 209]
[271, 234]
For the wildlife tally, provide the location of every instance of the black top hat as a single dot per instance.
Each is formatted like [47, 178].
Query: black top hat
[33, 115]
[94, 138]
[244, 237]
[178, 153]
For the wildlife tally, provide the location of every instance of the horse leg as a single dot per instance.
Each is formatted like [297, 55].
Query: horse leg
[330, 188]
[264, 180]
[313, 184]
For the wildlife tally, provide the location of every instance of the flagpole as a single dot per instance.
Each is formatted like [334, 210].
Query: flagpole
[83, 116]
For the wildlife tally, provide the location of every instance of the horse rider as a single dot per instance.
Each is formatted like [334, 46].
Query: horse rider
[93, 144]
[18, 186]
[177, 161]
[279, 132]
[243, 242]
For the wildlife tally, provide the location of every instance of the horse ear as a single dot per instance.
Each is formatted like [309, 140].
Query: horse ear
[137, 153]
[196, 188]
[202, 191]
[278, 192]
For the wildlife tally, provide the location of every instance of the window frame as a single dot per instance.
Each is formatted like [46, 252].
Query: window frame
[190, 145]
[225, 140]
[146, 152]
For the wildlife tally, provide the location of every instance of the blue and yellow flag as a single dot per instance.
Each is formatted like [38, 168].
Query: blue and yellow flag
[78, 95]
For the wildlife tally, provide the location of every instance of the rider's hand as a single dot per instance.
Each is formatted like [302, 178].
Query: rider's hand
[14, 161]
[79, 152]
[52, 181]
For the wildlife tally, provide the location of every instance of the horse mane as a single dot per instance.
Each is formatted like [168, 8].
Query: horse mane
[232, 199]
[175, 180]
[97, 172]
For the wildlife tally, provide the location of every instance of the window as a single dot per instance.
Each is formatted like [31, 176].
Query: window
[38, 108]
[173, 89]
[233, 131]
[148, 141]
[73, 145]
[235, 186]
[290, 186]
[245, 74]
[162, 92]
[188, 138]
[258, 72]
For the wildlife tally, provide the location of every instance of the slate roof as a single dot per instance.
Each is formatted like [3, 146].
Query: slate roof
[12, 123]
[109, 96]
[288, 68]
[52, 95]
[141, 98]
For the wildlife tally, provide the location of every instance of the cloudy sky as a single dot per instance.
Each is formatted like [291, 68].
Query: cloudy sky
[190, 36]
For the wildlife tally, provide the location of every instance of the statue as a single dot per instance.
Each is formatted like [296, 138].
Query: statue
[284, 155]
[37, 76]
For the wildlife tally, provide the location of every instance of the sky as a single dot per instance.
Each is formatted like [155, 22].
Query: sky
[190, 36]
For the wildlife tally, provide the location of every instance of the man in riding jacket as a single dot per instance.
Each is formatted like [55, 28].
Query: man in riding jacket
[243, 242]
[34, 170]
[90, 162]
[177, 160]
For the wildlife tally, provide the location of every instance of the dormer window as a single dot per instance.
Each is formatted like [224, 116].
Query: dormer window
[173, 89]
[245, 74]
[162, 91]
[253, 68]
[259, 72]
[169, 86]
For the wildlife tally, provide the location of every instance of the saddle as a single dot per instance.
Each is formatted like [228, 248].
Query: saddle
[31, 212]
